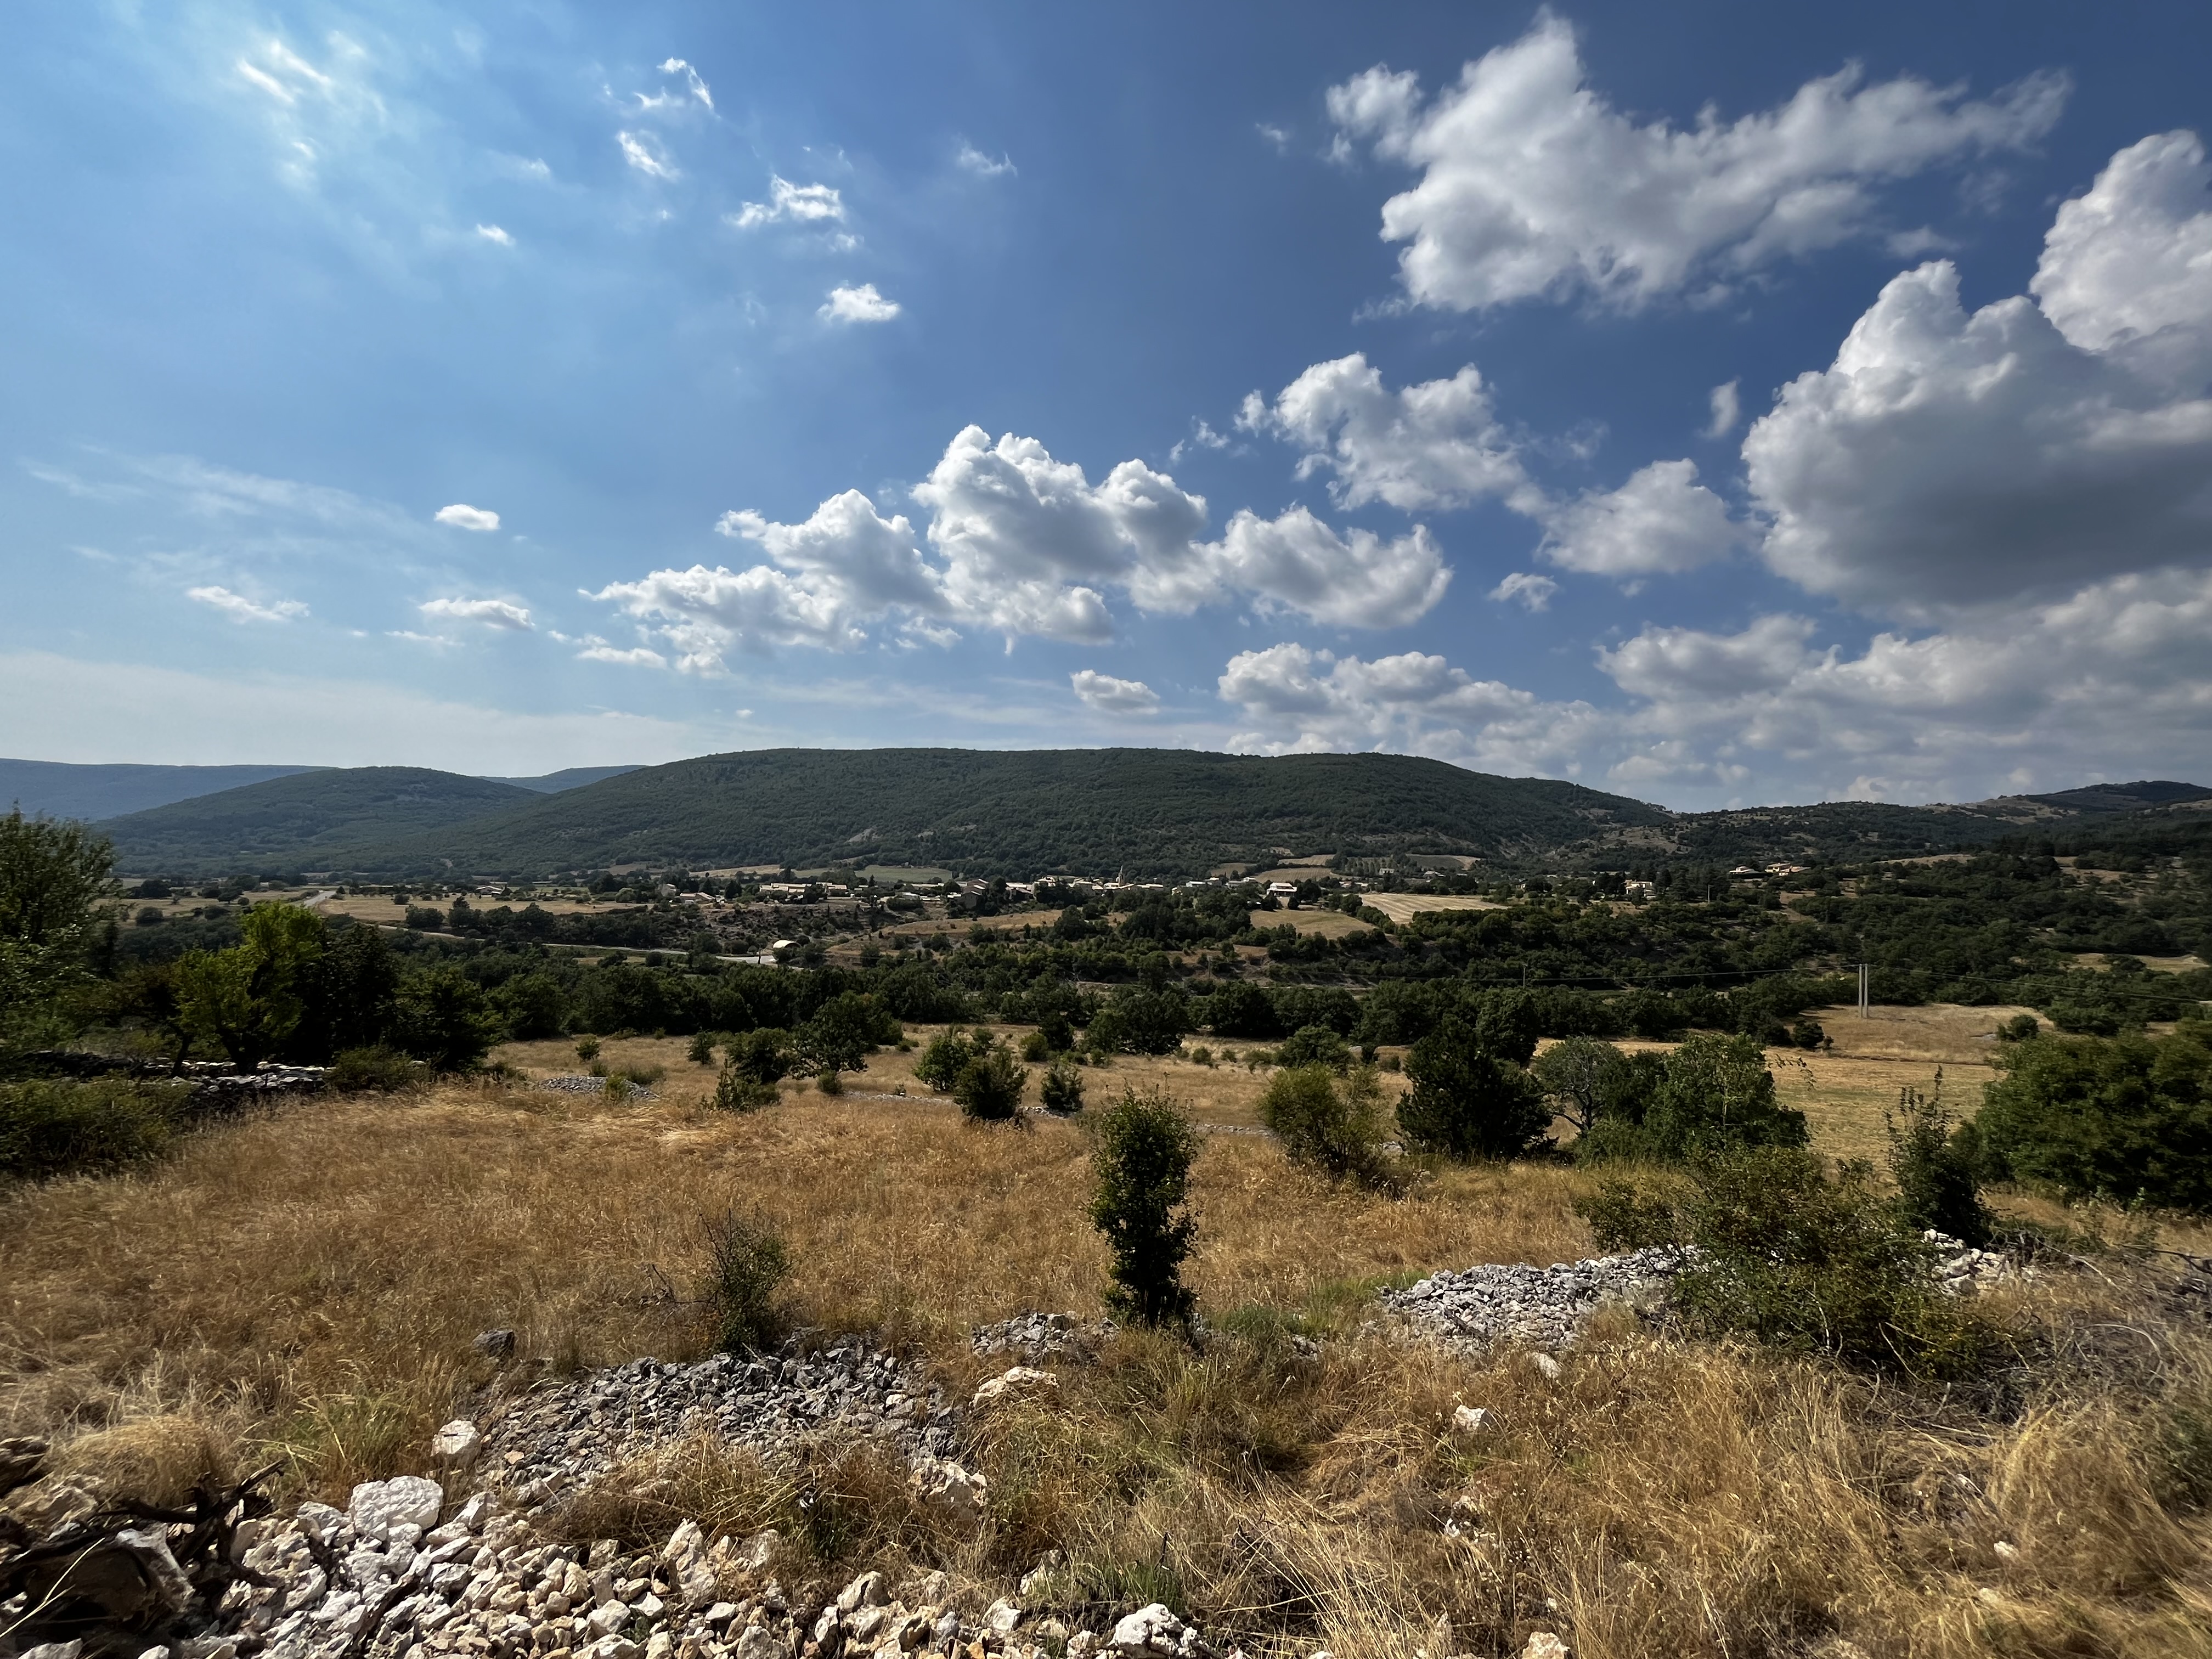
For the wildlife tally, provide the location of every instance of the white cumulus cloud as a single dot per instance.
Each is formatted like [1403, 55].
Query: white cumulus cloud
[1950, 460]
[462, 516]
[238, 608]
[1110, 695]
[636, 657]
[845, 566]
[494, 233]
[857, 305]
[1727, 404]
[1661, 521]
[789, 203]
[1352, 578]
[1533, 185]
[492, 613]
[1437, 444]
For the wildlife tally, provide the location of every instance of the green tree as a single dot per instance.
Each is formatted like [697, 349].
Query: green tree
[1715, 1093]
[1061, 1091]
[250, 998]
[2125, 1118]
[55, 881]
[442, 1016]
[1467, 1102]
[1314, 1045]
[947, 1055]
[843, 1032]
[1584, 1078]
[1142, 1172]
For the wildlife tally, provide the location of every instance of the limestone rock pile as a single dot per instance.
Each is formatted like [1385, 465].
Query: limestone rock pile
[1962, 1270]
[564, 1433]
[1546, 1307]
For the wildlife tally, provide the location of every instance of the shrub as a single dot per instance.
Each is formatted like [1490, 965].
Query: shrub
[739, 1090]
[947, 1055]
[1330, 1119]
[843, 1032]
[1934, 1170]
[764, 1055]
[2080, 1021]
[587, 1048]
[1035, 1048]
[830, 1082]
[1315, 1045]
[380, 1069]
[2019, 1029]
[51, 1128]
[641, 1073]
[1061, 1091]
[1059, 1036]
[1801, 1261]
[1467, 1102]
[748, 1263]
[1142, 1170]
[990, 1086]
[701, 1051]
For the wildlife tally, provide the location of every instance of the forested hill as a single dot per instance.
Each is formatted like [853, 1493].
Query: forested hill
[286, 822]
[1152, 811]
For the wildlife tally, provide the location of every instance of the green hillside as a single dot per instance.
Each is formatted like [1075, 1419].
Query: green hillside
[286, 822]
[1148, 811]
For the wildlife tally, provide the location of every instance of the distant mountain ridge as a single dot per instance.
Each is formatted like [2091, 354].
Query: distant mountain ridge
[1147, 813]
[67, 789]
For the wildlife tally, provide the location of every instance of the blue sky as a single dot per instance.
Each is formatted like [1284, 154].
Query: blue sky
[1720, 404]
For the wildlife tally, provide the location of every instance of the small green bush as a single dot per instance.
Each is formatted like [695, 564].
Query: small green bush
[1315, 1045]
[1330, 1120]
[764, 1055]
[2019, 1029]
[587, 1048]
[380, 1069]
[1035, 1048]
[1061, 1091]
[643, 1074]
[947, 1053]
[1802, 1262]
[1142, 1171]
[51, 1128]
[990, 1086]
[701, 1051]
[1934, 1170]
[739, 1090]
[830, 1082]
[748, 1264]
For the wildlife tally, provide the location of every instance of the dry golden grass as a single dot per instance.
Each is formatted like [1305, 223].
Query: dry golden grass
[1326, 924]
[308, 1282]
[1404, 907]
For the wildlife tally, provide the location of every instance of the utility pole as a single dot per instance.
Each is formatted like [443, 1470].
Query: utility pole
[1865, 972]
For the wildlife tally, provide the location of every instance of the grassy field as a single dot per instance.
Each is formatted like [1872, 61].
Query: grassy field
[1404, 907]
[305, 1283]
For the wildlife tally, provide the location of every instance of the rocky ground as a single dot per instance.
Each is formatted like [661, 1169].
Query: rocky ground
[1544, 1307]
[564, 1433]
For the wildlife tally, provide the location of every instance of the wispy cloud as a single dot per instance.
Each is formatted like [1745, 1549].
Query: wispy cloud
[983, 166]
[240, 608]
[678, 66]
[492, 613]
[786, 201]
[494, 233]
[643, 151]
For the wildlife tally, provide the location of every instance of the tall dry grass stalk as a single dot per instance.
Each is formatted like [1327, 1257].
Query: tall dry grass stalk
[309, 1282]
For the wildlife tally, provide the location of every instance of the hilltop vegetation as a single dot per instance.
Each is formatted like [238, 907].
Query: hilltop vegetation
[304, 819]
[1145, 813]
